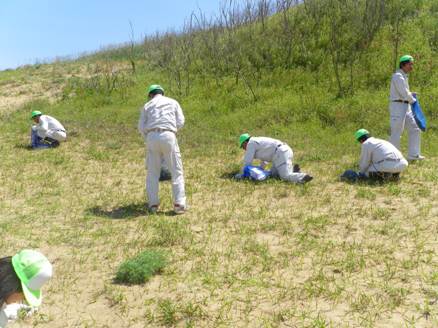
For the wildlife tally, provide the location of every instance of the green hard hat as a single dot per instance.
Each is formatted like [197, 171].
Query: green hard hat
[243, 137]
[34, 270]
[360, 133]
[36, 113]
[406, 58]
[154, 87]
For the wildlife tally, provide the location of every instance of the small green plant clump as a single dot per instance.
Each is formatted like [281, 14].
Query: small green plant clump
[141, 268]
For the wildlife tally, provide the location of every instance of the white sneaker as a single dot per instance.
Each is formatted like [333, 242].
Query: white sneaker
[179, 209]
[416, 158]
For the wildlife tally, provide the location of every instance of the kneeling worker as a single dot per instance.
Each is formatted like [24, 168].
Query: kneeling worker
[379, 158]
[47, 132]
[274, 151]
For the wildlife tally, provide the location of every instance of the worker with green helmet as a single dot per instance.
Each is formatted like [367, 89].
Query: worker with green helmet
[47, 132]
[401, 116]
[269, 150]
[379, 158]
[160, 119]
[21, 279]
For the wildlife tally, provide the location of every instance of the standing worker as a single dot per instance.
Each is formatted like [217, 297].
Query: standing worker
[401, 99]
[274, 151]
[47, 131]
[160, 119]
[379, 158]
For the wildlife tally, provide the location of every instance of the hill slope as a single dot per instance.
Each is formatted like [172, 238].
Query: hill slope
[327, 254]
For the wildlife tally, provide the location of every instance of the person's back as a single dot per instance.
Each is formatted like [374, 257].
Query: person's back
[382, 149]
[162, 112]
[262, 148]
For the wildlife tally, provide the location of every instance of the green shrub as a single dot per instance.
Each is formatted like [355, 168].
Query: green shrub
[141, 268]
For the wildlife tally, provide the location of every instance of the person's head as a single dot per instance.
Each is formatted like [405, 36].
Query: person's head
[243, 140]
[10, 285]
[155, 89]
[362, 135]
[22, 276]
[35, 116]
[406, 63]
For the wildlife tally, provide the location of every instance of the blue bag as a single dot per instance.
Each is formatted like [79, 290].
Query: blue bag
[255, 173]
[418, 115]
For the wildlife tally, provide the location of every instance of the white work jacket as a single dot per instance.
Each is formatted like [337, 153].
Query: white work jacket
[48, 123]
[161, 113]
[375, 151]
[261, 148]
[400, 87]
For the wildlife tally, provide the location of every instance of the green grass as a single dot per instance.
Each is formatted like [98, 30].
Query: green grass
[327, 254]
[141, 268]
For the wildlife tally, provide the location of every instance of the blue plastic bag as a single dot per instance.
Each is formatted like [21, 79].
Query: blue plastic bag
[418, 115]
[255, 173]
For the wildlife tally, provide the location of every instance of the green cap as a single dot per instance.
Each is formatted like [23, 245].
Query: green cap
[36, 113]
[406, 58]
[243, 137]
[154, 87]
[360, 133]
[34, 270]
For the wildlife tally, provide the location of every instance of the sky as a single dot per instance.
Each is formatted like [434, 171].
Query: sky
[40, 30]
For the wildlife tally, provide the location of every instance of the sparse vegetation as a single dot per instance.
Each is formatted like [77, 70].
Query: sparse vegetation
[141, 268]
[328, 254]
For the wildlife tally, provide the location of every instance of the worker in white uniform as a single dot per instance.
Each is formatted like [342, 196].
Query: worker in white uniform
[401, 99]
[160, 119]
[47, 132]
[274, 151]
[21, 279]
[379, 158]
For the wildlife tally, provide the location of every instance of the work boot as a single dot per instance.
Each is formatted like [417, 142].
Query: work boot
[296, 168]
[153, 209]
[179, 209]
[306, 178]
[416, 158]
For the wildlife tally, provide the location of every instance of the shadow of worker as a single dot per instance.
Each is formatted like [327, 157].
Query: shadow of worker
[129, 211]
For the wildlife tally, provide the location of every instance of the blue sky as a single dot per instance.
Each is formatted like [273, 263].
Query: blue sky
[33, 30]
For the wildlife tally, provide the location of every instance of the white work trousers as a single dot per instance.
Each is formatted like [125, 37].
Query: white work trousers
[57, 135]
[401, 116]
[282, 165]
[389, 166]
[163, 145]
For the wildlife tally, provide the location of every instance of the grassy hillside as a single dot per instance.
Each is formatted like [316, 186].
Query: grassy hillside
[327, 254]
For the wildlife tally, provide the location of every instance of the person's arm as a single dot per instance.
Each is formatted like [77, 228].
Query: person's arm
[365, 159]
[400, 86]
[179, 116]
[249, 154]
[142, 122]
[42, 127]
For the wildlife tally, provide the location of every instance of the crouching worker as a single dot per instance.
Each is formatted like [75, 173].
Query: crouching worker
[269, 150]
[21, 279]
[47, 131]
[379, 159]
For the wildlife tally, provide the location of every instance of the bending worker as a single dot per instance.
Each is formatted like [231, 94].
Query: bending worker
[21, 279]
[401, 99]
[47, 132]
[379, 158]
[160, 119]
[272, 150]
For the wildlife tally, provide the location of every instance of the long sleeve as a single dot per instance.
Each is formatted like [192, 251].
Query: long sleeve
[249, 154]
[365, 159]
[402, 89]
[179, 116]
[141, 122]
[42, 127]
